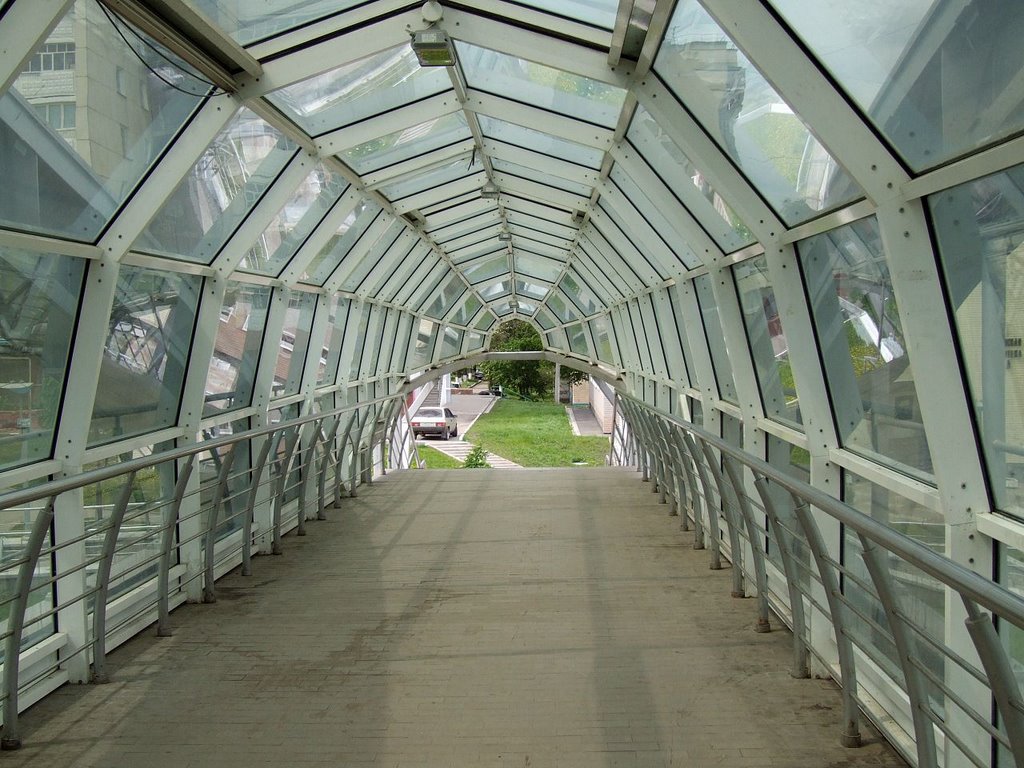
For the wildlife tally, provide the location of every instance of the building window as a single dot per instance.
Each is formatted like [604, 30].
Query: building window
[58, 115]
[52, 57]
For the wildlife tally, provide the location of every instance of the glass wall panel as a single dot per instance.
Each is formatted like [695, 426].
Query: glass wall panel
[453, 289]
[577, 340]
[291, 354]
[235, 502]
[917, 67]
[361, 327]
[236, 350]
[465, 314]
[355, 91]
[600, 330]
[578, 294]
[980, 232]
[334, 339]
[560, 309]
[860, 334]
[68, 176]
[451, 343]
[146, 353]
[39, 296]
[407, 143]
[293, 223]
[219, 191]
[921, 598]
[423, 348]
[795, 462]
[540, 86]
[341, 242]
[17, 524]
[716, 339]
[750, 121]
[676, 170]
[767, 341]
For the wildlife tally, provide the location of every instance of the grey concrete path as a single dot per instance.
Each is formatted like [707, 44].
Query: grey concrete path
[466, 620]
[584, 422]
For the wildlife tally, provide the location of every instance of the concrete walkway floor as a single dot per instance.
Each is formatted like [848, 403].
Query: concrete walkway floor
[465, 620]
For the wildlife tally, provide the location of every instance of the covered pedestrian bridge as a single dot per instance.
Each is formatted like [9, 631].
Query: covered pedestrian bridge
[238, 239]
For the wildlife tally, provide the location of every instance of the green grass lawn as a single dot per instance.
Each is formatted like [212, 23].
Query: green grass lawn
[535, 435]
[437, 460]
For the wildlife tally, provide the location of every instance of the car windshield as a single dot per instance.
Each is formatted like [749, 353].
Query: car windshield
[429, 413]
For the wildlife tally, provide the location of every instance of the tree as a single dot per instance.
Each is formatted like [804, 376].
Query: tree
[527, 378]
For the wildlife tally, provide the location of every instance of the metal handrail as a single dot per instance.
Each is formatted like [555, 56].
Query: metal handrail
[989, 594]
[63, 485]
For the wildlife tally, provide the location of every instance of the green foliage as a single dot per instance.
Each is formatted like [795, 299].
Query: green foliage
[536, 435]
[529, 379]
[476, 458]
[434, 459]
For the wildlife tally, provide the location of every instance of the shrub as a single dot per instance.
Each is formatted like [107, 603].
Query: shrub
[476, 458]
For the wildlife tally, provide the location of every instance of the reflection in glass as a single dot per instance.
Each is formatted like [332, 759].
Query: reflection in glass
[451, 342]
[577, 340]
[600, 13]
[917, 66]
[663, 227]
[219, 191]
[420, 181]
[293, 223]
[750, 121]
[795, 462]
[716, 338]
[423, 347]
[980, 232]
[291, 354]
[540, 86]
[600, 330]
[538, 141]
[561, 310]
[341, 242]
[334, 339]
[453, 289]
[578, 294]
[17, 523]
[68, 170]
[234, 504]
[355, 91]
[767, 341]
[407, 143]
[867, 364]
[236, 350]
[145, 356]
[39, 295]
[249, 22]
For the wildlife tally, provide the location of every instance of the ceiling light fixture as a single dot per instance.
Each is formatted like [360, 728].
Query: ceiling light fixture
[433, 47]
[504, 237]
[490, 191]
[577, 217]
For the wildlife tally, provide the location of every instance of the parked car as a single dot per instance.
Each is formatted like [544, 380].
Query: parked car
[435, 421]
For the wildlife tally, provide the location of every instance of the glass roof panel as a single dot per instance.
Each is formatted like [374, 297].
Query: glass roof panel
[487, 270]
[456, 229]
[917, 66]
[561, 310]
[249, 22]
[217, 194]
[545, 318]
[293, 223]
[538, 141]
[675, 169]
[533, 290]
[445, 173]
[341, 242]
[532, 174]
[67, 162]
[503, 308]
[540, 86]
[485, 322]
[537, 266]
[453, 289]
[377, 252]
[662, 225]
[749, 120]
[357, 90]
[407, 143]
[599, 13]
[484, 249]
[470, 306]
[495, 289]
[579, 294]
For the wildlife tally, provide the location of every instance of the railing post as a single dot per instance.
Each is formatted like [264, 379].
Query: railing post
[223, 480]
[280, 482]
[924, 731]
[11, 738]
[167, 536]
[250, 505]
[698, 462]
[755, 541]
[730, 520]
[328, 444]
[850, 736]
[103, 568]
[306, 459]
[796, 600]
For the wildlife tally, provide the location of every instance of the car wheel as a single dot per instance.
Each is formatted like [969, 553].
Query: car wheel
[445, 435]
[456, 432]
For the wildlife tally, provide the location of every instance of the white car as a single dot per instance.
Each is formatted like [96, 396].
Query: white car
[435, 421]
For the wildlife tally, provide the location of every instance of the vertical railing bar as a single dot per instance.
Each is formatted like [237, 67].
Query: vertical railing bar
[796, 600]
[11, 737]
[730, 520]
[306, 460]
[756, 543]
[280, 482]
[209, 592]
[103, 569]
[328, 443]
[850, 736]
[171, 515]
[923, 730]
[1001, 677]
[250, 506]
